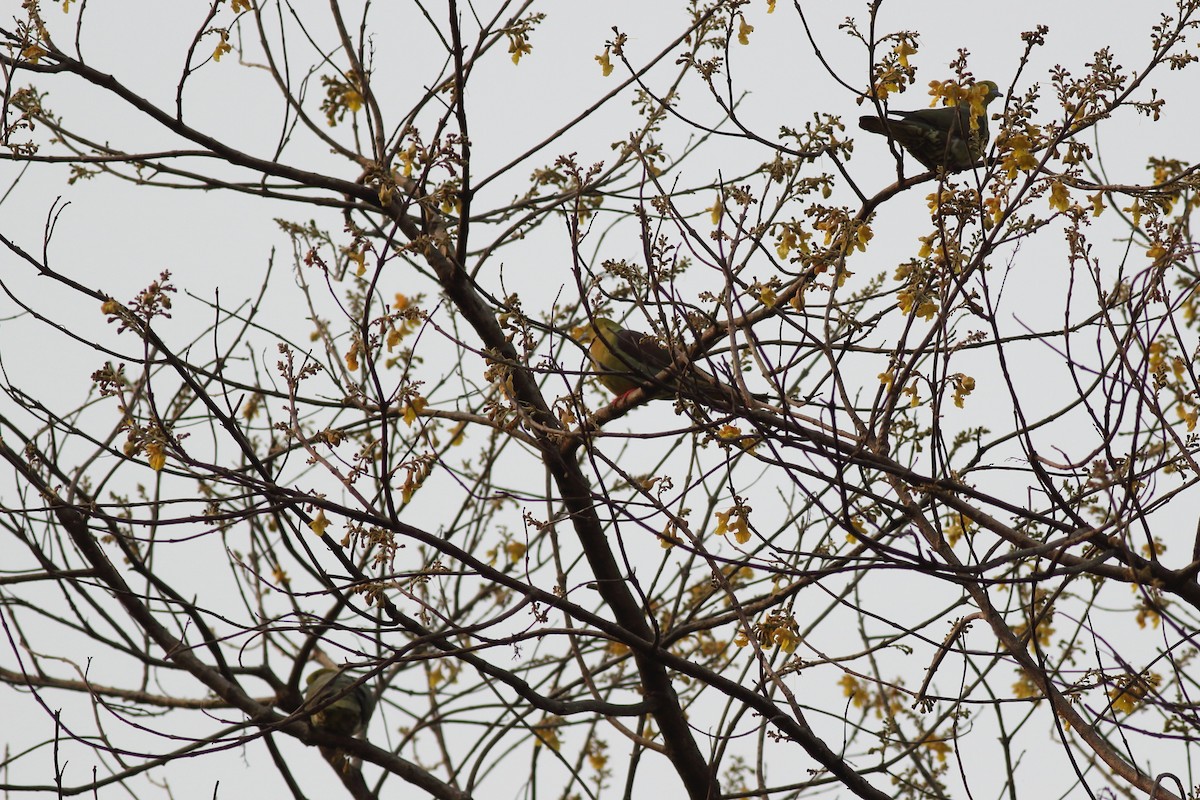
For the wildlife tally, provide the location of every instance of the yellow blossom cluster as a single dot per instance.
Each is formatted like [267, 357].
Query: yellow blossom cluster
[734, 520]
[779, 629]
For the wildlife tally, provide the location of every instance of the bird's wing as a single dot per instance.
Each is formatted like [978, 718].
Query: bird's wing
[630, 358]
[949, 119]
[653, 358]
[643, 354]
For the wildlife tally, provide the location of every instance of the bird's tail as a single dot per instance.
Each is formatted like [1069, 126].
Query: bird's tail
[872, 125]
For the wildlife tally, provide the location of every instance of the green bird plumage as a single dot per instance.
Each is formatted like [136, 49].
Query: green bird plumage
[626, 360]
[939, 137]
[349, 714]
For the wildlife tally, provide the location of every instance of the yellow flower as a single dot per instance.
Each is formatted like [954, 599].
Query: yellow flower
[1157, 354]
[926, 245]
[33, 52]
[414, 408]
[546, 733]
[963, 386]
[1147, 614]
[409, 487]
[787, 241]
[956, 526]
[252, 407]
[451, 202]
[939, 747]
[614, 648]
[518, 45]
[319, 523]
[978, 96]
[606, 66]
[223, 46]
[597, 760]
[1188, 415]
[155, 456]
[732, 434]
[887, 83]
[1136, 211]
[1019, 156]
[360, 260]
[408, 158]
[851, 688]
[734, 520]
[744, 30]
[1131, 690]
[1024, 687]
[1059, 197]
[741, 530]
[515, 550]
[785, 637]
[1042, 633]
[903, 51]
[862, 235]
[934, 200]
[859, 526]
[912, 301]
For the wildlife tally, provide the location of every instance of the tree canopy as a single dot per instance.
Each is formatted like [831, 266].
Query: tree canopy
[895, 494]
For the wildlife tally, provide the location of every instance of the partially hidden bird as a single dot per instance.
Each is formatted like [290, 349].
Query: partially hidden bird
[626, 360]
[951, 137]
[349, 713]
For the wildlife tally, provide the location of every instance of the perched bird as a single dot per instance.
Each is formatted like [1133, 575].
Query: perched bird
[939, 137]
[626, 360]
[349, 714]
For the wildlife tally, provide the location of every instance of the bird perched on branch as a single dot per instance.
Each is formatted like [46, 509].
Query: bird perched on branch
[349, 713]
[952, 137]
[626, 360]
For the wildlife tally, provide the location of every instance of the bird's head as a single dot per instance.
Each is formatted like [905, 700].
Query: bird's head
[587, 333]
[993, 91]
[324, 675]
[602, 340]
[345, 706]
[605, 327]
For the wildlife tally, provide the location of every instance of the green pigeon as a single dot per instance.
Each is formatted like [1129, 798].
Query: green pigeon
[626, 360]
[349, 714]
[938, 137]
